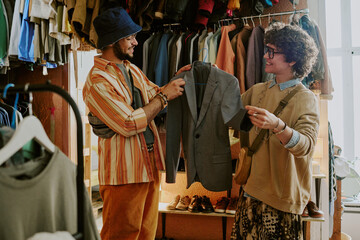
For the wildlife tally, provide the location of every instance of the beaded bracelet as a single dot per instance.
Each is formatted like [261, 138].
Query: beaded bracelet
[163, 98]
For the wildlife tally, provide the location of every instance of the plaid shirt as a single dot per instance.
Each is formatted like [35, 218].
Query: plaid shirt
[123, 158]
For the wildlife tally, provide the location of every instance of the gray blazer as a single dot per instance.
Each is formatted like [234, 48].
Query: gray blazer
[201, 118]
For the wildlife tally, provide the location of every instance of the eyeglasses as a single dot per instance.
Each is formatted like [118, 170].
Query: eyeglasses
[271, 51]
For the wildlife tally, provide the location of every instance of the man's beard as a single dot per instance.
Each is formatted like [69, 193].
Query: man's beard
[119, 53]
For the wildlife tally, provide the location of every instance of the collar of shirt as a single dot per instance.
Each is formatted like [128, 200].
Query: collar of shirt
[102, 63]
[286, 84]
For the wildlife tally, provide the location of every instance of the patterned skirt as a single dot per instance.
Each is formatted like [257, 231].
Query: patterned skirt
[256, 220]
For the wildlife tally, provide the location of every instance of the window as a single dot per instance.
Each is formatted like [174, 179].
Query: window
[343, 44]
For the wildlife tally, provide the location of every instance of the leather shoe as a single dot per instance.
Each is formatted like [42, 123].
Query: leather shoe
[314, 211]
[305, 212]
[195, 204]
[221, 205]
[206, 205]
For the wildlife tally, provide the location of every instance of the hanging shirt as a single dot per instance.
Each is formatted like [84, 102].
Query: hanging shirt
[3, 32]
[26, 45]
[15, 30]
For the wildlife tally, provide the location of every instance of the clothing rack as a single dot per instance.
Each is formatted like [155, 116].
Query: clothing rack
[305, 11]
[171, 24]
[48, 87]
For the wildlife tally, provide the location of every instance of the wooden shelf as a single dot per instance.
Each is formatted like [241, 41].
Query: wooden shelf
[310, 219]
[315, 175]
[318, 175]
[162, 209]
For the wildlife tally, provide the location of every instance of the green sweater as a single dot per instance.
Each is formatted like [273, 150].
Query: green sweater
[281, 177]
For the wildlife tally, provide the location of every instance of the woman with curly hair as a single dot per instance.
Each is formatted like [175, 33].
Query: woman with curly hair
[278, 188]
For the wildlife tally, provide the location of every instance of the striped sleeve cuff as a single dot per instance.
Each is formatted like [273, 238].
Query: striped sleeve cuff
[140, 120]
[293, 140]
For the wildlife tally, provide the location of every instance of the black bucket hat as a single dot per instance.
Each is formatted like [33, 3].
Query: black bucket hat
[113, 25]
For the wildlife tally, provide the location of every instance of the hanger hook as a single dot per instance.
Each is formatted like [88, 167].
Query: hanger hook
[252, 21]
[9, 85]
[30, 98]
[260, 19]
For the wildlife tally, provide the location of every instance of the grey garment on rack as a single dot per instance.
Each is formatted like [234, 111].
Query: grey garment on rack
[4, 117]
[49, 198]
[318, 70]
[146, 54]
[5, 135]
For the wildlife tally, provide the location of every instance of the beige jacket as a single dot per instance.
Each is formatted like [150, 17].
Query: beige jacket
[83, 14]
[281, 177]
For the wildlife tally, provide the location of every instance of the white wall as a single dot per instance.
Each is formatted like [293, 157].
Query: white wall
[350, 222]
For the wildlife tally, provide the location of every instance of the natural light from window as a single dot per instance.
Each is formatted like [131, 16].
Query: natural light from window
[343, 44]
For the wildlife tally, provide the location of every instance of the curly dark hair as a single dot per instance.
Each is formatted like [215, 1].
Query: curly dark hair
[296, 44]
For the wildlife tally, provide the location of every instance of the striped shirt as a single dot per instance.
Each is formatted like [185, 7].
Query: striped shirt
[123, 158]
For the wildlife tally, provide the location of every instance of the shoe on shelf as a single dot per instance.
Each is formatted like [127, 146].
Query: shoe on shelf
[314, 211]
[173, 203]
[207, 205]
[195, 204]
[221, 204]
[183, 204]
[231, 207]
[305, 212]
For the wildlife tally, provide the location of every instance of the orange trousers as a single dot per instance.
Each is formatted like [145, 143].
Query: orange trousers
[130, 211]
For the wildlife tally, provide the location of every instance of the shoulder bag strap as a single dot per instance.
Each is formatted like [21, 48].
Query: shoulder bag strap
[258, 140]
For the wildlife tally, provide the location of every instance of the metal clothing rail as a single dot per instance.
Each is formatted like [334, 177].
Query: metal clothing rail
[48, 87]
[171, 24]
[305, 11]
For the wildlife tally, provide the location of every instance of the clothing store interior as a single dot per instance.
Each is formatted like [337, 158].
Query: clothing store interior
[55, 109]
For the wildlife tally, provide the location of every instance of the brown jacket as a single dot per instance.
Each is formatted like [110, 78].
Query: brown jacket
[240, 55]
[82, 18]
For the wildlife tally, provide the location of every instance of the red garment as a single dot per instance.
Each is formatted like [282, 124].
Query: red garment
[204, 11]
[201, 19]
[206, 7]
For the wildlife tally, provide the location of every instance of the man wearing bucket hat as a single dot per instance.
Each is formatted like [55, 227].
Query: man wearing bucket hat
[124, 103]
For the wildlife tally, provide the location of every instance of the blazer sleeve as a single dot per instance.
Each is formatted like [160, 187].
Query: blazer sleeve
[232, 108]
[173, 135]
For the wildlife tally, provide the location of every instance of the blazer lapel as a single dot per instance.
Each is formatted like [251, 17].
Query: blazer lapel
[190, 93]
[209, 92]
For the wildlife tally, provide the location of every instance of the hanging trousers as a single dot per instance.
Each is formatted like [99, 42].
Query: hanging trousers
[130, 211]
